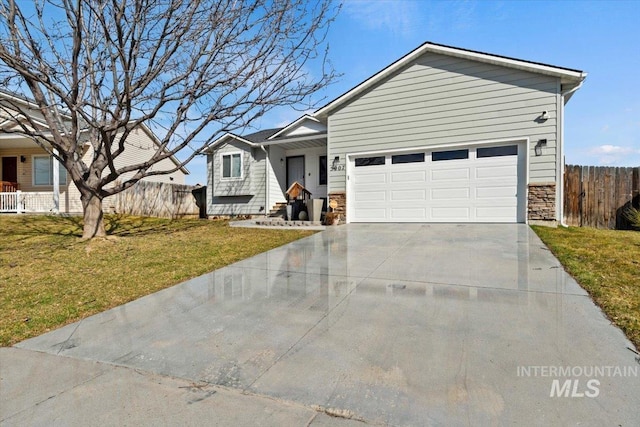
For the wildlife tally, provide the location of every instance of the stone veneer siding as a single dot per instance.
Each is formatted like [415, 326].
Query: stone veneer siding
[542, 202]
[341, 198]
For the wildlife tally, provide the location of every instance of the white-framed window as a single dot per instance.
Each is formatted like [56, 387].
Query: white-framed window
[43, 171]
[231, 165]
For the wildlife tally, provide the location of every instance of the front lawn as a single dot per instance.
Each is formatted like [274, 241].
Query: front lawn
[607, 264]
[50, 277]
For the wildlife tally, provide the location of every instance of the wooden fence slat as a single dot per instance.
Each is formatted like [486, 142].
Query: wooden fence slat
[572, 195]
[156, 199]
[635, 190]
[597, 196]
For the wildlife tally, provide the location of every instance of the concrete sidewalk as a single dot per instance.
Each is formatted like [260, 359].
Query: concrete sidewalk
[39, 389]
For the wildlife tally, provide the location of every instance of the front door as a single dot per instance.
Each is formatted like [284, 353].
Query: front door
[10, 169]
[295, 170]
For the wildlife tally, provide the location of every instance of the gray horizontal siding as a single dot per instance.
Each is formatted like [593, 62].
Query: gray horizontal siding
[277, 176]
[237, 197]
[445, 100]
[450, 106]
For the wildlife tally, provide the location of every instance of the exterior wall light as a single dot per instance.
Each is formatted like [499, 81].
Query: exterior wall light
[538, 148]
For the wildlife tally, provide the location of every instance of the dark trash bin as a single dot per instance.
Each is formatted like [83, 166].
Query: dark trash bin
[297, 206]
[200, 194]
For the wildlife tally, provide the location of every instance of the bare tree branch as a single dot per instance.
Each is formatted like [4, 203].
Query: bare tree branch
[95, 70]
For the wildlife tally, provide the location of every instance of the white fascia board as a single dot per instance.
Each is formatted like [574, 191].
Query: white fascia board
[19, 100]
[293, 125]
[22, 118]
[28, 103]
[301, 138]
[572, 75]
[566, 75]
[225, 137]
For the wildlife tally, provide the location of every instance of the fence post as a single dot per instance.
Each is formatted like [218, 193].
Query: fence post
[18, 201]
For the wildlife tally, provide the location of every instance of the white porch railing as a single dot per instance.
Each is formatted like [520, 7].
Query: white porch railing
[20, 201]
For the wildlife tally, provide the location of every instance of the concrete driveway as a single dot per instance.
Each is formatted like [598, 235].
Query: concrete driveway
[410, 324]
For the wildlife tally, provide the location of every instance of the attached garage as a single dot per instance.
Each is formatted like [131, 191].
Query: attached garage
[474, 183]
[443, 134]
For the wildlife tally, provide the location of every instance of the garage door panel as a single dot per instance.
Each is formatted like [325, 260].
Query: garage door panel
[472, 189]
[451, 214]
[497, 203]
[370, 196]
[491, 192]
[450, 174]
[450, 193]
[370, 178]
[416, 177]
[495, 213]
[411, 214]
[371, 214]
[497, 171]
[409, 195]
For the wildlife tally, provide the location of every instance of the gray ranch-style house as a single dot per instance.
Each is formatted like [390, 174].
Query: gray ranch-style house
[441, 135]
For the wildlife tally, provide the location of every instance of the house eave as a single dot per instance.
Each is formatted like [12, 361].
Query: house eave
[227, 136]
[301, 138]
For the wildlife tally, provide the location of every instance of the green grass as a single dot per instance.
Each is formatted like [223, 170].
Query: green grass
[607, 265]
[49, 276]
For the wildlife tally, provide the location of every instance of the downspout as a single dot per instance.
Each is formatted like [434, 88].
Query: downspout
[561, 153]
[267, 179]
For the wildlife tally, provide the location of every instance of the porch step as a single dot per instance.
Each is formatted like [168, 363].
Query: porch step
[278, 210]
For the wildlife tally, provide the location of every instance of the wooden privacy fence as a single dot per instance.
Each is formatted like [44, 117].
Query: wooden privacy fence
[597, 196]
[156, 199]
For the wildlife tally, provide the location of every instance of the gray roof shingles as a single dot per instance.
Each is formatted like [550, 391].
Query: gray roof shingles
[261, 136]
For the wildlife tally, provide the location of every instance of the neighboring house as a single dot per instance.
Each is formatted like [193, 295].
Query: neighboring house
[29, 169]
[442, 135]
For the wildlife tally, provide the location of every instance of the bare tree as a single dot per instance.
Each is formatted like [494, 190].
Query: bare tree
[188, 69]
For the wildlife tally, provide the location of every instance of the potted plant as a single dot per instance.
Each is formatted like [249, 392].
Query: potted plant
[331, 218]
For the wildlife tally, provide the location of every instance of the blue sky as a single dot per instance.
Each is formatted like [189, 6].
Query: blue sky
[602, 122]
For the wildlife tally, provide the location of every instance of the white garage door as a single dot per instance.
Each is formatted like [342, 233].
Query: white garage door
[474, 184]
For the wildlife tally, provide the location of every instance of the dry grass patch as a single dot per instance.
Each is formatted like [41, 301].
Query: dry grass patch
[607, 264]
[50, 277]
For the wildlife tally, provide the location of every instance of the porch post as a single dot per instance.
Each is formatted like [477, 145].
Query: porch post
[56, 183]
[18, 201]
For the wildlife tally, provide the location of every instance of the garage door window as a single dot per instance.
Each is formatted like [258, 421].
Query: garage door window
[370, 161]
[437, 156]
[408, 158]
[507, 150]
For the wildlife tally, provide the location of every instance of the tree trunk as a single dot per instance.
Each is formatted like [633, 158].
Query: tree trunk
[93, 217]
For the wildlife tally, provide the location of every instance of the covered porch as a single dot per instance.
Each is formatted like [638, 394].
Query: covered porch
[301, 159]
[31, 181]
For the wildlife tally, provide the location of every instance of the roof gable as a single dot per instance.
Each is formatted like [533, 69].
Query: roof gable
[568, 77]
[11, 119]
[228, 137]
[305, 125]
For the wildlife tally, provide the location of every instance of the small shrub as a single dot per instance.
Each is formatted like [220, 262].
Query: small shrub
[633, 216]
